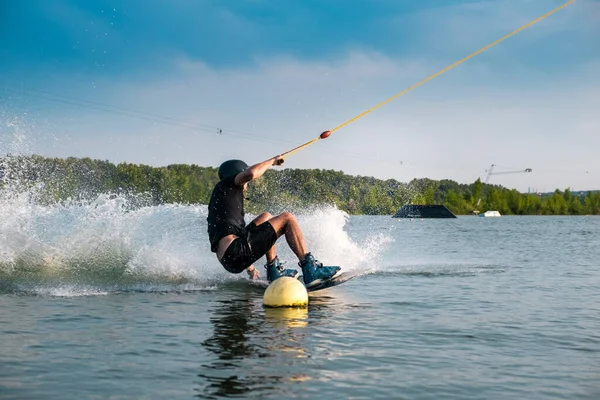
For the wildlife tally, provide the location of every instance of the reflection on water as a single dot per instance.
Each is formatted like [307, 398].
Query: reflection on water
[257, 349]
[233, 322]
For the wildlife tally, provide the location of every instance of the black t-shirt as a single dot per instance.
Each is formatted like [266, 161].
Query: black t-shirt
[225, 212]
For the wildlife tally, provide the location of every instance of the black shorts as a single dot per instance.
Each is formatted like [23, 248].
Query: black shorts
[241, 253]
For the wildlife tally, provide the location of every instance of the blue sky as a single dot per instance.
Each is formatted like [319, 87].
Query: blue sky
[152, 81]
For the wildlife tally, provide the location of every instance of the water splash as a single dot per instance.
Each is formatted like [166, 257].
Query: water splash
[329, 241]
[14, 138]
[106, 246]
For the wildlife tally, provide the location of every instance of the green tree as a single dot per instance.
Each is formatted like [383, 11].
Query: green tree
[556, 204]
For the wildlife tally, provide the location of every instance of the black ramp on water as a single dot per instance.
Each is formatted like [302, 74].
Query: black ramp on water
[424, 211]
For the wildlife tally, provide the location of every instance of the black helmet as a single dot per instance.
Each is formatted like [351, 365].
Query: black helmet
[231, 168]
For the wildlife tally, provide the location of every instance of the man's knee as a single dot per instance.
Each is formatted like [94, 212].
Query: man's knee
[265, 216]
[288, 216]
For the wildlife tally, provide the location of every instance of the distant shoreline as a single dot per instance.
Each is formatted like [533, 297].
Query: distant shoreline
[56, 180]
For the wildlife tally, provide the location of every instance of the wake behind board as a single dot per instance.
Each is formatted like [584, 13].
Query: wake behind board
[337, 280]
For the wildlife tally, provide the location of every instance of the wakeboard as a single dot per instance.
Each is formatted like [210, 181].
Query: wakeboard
[336, 280]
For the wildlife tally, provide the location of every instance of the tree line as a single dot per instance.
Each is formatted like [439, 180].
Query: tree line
[54, 180]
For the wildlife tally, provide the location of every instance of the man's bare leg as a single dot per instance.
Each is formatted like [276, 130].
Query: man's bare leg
[286, 224]
[273, 273]
[264, 217]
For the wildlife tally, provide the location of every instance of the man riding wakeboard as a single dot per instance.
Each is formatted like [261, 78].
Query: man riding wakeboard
[238, 245]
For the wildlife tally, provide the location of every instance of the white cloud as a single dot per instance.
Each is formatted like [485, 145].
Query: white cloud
[452, 127]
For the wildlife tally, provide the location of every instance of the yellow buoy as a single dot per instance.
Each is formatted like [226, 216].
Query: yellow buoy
[286, 292]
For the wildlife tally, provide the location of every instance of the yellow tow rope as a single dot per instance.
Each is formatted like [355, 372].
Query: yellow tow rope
[326, 134]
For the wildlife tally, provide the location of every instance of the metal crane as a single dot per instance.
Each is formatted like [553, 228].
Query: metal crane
[490, 173]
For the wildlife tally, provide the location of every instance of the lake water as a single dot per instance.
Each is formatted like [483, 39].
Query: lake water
[99, 302]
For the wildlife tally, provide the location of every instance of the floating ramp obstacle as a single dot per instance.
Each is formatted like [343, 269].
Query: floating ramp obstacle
[423, 211]
[490, 214]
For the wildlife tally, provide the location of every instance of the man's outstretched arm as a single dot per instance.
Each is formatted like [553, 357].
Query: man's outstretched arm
[257, 170]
